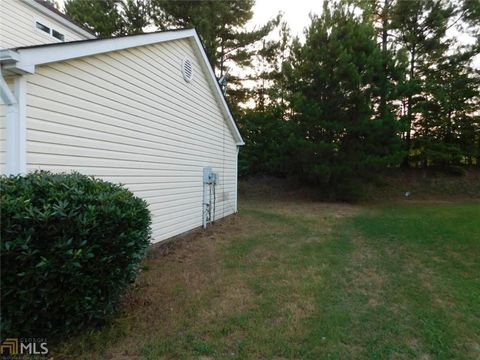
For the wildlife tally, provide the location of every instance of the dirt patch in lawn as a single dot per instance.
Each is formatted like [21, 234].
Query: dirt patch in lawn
[367, 277]
[186, 264]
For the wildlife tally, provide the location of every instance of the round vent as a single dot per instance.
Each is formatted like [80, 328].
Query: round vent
[187, 70]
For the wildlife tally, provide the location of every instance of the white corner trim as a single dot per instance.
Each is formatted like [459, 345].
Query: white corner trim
[16, 129]
[44, 10]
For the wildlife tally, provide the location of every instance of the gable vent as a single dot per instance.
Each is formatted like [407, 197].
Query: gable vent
[187, 70]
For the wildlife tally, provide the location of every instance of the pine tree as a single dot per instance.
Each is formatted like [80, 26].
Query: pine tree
[394, 61]
[421, 27]
[265, 127]
[335, 81]
[110, 17]
[269, 74]
[220, 24]
[449, 118]
[135, 15]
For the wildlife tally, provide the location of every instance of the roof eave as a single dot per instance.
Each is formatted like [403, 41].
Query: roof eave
[39, 6]
[218, 91]
[28, 57]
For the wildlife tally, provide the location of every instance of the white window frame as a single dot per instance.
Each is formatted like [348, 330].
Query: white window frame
[50, 33]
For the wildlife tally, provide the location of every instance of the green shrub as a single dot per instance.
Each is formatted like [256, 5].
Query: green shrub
[70, 245]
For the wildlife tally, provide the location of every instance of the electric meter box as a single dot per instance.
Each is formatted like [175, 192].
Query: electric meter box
[209, 177]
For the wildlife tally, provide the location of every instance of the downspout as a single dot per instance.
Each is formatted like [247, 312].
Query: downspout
[236, 179]
[16, 159]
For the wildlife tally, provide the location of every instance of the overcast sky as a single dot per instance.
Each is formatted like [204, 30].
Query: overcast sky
[295, 12]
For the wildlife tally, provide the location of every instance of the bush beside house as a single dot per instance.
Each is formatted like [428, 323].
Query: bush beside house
[70, 245]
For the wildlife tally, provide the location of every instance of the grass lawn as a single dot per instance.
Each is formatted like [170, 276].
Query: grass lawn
[307, 281]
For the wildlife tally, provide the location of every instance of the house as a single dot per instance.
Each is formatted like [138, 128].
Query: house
[30, 22]
[145, 111]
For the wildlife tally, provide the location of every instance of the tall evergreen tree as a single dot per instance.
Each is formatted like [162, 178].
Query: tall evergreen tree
[220, 24]
[269, 71]
[335, 82]
[110, 17]
[135, 15]
[394, 61]
[449, 125]
[421, 27]
[265, 126]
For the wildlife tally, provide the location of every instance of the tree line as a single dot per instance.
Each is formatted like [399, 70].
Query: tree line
[374, 84]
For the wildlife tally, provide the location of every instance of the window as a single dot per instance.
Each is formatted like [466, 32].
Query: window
[43, 27]
[52, 32]
[58, 35]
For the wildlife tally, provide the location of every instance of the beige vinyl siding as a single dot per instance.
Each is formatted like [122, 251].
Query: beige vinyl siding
[17, 26]
[129, 117]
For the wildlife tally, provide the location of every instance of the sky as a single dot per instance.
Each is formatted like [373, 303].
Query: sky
[295, 12]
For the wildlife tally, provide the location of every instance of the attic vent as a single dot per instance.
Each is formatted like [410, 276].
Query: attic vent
[187, 70]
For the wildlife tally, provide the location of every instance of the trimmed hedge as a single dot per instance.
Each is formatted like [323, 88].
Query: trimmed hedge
[70, 246]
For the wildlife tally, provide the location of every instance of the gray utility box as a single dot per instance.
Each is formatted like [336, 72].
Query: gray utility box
[210, 180]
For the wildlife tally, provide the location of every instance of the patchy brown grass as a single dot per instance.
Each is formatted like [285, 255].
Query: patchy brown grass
[187, 274]
[173, 273]
[178, 273]
[295, 280]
